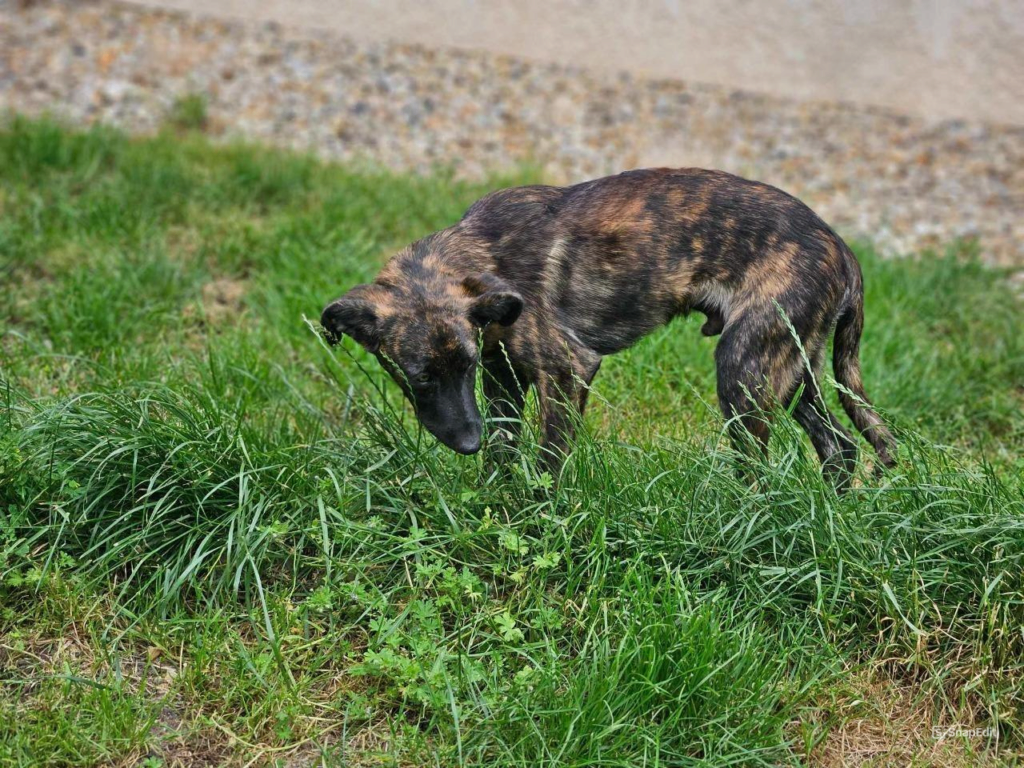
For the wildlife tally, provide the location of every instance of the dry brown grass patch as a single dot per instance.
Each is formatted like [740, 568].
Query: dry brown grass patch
[879, 720]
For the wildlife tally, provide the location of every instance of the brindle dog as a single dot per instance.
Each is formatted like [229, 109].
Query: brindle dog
[556, 278]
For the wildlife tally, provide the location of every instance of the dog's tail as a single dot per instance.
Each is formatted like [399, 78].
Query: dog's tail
[846, 365]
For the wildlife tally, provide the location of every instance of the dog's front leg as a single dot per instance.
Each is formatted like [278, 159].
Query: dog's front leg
[562, 398]
[505, 392]
[555, 398]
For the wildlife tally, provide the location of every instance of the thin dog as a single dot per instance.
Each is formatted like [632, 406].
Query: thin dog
[555, 278]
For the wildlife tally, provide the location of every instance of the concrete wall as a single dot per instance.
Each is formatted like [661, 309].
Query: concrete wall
[936, 58]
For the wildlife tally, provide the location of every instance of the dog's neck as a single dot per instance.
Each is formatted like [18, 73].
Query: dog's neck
[446, 256]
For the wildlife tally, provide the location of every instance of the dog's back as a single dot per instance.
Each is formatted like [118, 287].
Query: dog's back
[617, 257]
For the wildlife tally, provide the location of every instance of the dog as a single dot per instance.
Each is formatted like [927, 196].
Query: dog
[537, 284]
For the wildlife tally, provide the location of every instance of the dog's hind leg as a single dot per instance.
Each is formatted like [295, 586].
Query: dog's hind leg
[756, 360]
[742, 391]
[760, 366]
[832, 442]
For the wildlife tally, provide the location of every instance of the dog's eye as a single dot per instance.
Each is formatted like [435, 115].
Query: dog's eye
[422, 378]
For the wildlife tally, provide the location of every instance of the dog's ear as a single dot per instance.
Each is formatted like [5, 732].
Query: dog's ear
[494, 301]
[357, 314]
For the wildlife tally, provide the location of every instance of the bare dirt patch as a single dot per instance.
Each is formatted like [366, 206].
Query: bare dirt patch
[221, 303]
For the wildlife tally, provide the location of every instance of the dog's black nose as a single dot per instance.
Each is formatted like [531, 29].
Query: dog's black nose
[330, 322]
[467, 445]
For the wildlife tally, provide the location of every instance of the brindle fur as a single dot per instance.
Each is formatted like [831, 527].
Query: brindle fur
[559, 277]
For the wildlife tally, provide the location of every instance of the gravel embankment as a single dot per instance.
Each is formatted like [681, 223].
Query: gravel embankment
[902, 182]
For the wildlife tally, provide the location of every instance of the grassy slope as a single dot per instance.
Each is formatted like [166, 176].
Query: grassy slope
[223, 541]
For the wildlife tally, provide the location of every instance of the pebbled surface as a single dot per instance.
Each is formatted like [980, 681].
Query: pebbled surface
[903, 182]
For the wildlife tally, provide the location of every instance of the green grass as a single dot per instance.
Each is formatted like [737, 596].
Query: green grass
[222, 541]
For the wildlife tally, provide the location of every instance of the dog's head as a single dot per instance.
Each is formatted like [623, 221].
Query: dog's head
[426, 338]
